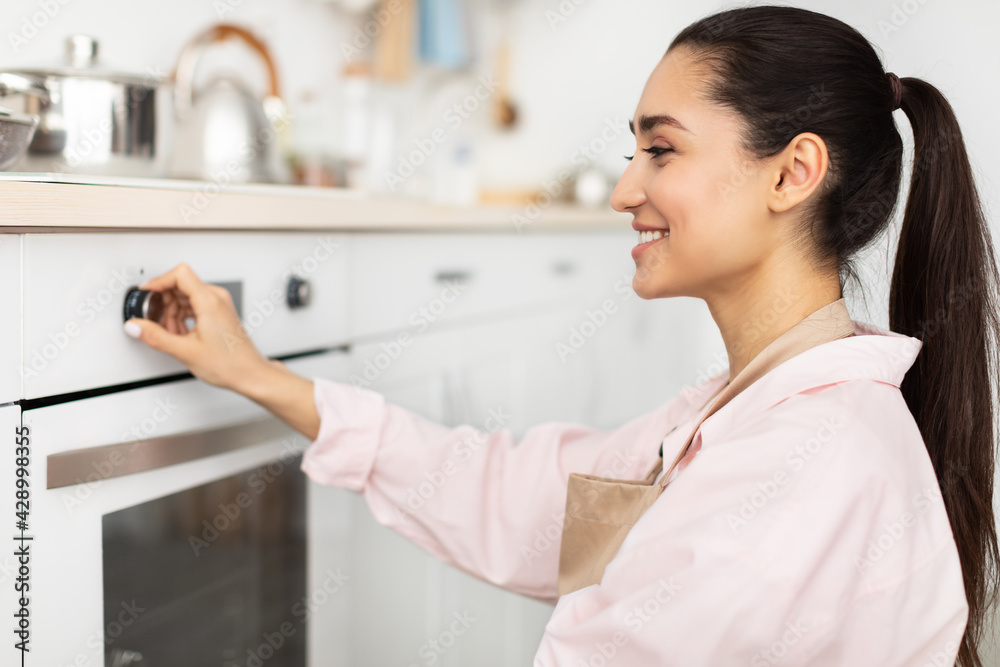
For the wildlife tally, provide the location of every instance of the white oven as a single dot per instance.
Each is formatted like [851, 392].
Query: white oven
[165, 521]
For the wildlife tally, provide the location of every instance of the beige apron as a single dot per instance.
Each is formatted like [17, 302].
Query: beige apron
[601, 511]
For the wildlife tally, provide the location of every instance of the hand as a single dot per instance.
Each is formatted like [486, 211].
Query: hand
[218, 349]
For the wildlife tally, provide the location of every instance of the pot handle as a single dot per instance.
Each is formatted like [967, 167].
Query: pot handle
[16, 84]
[183, 75]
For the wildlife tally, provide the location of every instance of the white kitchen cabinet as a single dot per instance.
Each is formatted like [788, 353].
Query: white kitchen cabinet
[10, 317]
[453, 377]
[411, 281]
[73, 301]
[643, 355]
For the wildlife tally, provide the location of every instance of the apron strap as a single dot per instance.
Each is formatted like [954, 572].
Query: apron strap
[814, 330]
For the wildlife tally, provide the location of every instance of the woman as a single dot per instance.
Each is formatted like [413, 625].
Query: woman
[828, 498]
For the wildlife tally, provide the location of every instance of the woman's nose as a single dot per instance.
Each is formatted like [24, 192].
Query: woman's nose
[628, 192]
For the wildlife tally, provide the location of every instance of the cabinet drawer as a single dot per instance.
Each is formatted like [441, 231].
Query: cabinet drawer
[410, 281]
[75, 286]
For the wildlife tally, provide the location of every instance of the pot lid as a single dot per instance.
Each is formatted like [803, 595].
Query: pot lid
[81, 59]
[11, 116]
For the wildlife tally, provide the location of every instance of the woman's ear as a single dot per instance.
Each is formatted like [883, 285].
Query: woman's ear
[798, 171]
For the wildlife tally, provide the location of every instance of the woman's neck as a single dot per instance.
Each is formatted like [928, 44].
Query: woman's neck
[751, 319]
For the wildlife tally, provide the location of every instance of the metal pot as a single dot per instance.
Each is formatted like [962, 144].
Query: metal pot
[92, 120]
[16, 131]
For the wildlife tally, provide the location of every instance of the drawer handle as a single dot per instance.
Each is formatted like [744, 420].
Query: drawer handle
[452, 276]
[564, 267]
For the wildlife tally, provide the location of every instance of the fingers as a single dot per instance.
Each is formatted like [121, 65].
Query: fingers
[183, 281]
[158, 338]
[176, 309]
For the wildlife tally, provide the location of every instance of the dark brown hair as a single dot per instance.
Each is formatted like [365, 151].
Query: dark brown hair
[786, 70]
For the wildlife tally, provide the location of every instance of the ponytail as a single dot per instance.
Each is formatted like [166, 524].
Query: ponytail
[944, 292]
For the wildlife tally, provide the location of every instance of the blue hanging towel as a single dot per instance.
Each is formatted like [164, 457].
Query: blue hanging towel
[442, 34]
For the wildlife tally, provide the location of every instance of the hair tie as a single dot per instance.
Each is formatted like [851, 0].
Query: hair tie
[897, 90]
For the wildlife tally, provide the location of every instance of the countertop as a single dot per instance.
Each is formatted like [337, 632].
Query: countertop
[38, 202]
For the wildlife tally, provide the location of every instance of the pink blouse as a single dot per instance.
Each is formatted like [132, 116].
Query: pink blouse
[805, 526]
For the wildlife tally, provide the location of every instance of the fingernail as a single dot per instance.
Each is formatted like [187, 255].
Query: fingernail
[133, 329]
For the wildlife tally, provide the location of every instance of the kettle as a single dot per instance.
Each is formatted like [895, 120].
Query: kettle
[224, 133]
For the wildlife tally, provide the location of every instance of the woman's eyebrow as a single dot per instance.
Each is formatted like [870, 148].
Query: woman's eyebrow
[648, 123]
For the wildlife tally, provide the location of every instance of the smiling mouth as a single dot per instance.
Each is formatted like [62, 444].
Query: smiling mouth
[650, 236]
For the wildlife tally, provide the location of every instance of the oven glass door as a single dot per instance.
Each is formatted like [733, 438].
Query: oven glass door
[210, 575]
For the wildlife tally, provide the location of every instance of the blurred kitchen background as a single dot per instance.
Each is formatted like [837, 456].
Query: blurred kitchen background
[489, 101]
[368, 84]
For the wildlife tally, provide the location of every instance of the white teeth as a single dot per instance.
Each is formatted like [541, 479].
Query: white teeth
[647, 236]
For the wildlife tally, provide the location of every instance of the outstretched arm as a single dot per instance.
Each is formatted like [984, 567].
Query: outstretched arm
[218, 351]
[476, 498]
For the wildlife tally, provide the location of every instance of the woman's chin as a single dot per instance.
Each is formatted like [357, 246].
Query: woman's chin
[644, 290]
[648, 285]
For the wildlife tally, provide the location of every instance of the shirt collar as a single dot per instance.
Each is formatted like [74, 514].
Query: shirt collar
[872, 353]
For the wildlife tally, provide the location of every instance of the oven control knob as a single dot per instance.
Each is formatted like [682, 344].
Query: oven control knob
[298, 293]
[143, 303]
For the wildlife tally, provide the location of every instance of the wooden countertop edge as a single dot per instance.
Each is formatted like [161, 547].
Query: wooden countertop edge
[28, 206]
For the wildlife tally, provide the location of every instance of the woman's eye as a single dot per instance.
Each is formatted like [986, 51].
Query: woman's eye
[655, 151]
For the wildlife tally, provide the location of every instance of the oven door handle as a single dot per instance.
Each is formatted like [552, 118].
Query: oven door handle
[75, 466]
